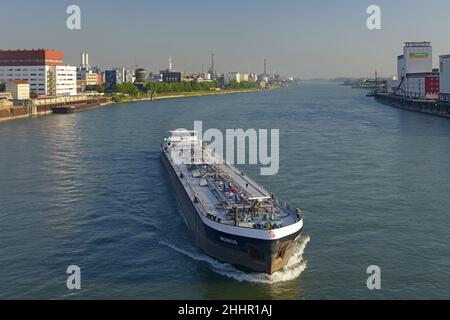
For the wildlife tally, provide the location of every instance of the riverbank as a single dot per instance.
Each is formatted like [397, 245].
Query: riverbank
[431, 107]
[175, 95]
[102, 101]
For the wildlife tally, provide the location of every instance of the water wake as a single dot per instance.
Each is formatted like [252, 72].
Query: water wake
[293, 268]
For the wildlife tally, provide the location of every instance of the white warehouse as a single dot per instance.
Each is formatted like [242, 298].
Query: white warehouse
[237, 76]
[416, 59]
[43, 69]
[444, 64]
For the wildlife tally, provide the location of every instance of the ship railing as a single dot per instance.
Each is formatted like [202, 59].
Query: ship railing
[249, 179]
[282, 204]
[198, 199]
[206, 212]
[255, 184]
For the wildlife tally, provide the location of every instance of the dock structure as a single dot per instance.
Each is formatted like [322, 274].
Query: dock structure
[431, 107]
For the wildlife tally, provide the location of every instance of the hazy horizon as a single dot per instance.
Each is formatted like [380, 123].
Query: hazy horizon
[323, 39]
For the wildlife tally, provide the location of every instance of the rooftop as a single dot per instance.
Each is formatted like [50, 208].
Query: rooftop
[18, 81]
[423, 74]
[418, 44]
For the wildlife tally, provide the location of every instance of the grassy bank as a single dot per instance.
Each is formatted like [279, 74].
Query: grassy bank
[118, 98]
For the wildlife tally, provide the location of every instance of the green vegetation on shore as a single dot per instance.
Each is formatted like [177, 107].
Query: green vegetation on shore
[129, 91]
[119, 97]
[233, 84]
[185, 86]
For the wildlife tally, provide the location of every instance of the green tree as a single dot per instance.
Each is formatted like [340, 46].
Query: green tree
[185, 86]
[127, 88]
[233, 84]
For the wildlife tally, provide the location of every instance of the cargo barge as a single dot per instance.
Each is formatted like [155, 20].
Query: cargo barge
[89, 105]
[231, 217]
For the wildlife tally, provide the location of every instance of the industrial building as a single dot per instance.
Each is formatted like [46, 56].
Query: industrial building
[42, 69]
[19, 89]
[129, 76]
[87, 78]
[169, 76]
[444, 64]
[423, 85]
[415, 71]
[239, 77]
[91, 78]
[141, 75]
[114, 77]
[87, 75]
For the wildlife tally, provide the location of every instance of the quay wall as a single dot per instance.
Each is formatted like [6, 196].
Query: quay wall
[13, 113]
[431, 107]
[38, 107]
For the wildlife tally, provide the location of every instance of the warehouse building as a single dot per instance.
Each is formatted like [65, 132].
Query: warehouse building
[42, 69]
[444, 64]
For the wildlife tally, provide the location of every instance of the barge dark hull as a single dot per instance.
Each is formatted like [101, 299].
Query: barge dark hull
[252, 254]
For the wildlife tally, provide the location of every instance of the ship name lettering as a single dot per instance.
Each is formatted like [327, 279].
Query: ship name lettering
[231, 241]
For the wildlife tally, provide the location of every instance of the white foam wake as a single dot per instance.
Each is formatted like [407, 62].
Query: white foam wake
[293, 268]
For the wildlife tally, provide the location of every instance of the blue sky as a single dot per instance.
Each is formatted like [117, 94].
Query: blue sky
[321, 38]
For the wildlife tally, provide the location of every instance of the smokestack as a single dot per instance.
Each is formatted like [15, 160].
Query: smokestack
[265, 67]
[170, 63]
[212, 65]
[84, 60]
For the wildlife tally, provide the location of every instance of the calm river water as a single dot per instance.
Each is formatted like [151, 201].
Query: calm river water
[89, 189]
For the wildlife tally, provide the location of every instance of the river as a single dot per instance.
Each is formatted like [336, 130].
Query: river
[89, 189]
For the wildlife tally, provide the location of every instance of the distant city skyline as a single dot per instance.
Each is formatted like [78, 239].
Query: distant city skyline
[324, 39]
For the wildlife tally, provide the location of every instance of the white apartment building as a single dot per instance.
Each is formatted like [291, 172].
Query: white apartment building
[62, 81]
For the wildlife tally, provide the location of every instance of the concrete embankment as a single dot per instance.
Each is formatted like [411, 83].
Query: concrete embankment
[432, 107]
[13, 113]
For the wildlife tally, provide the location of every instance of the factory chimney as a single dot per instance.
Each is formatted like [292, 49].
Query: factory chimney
[84, 60]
